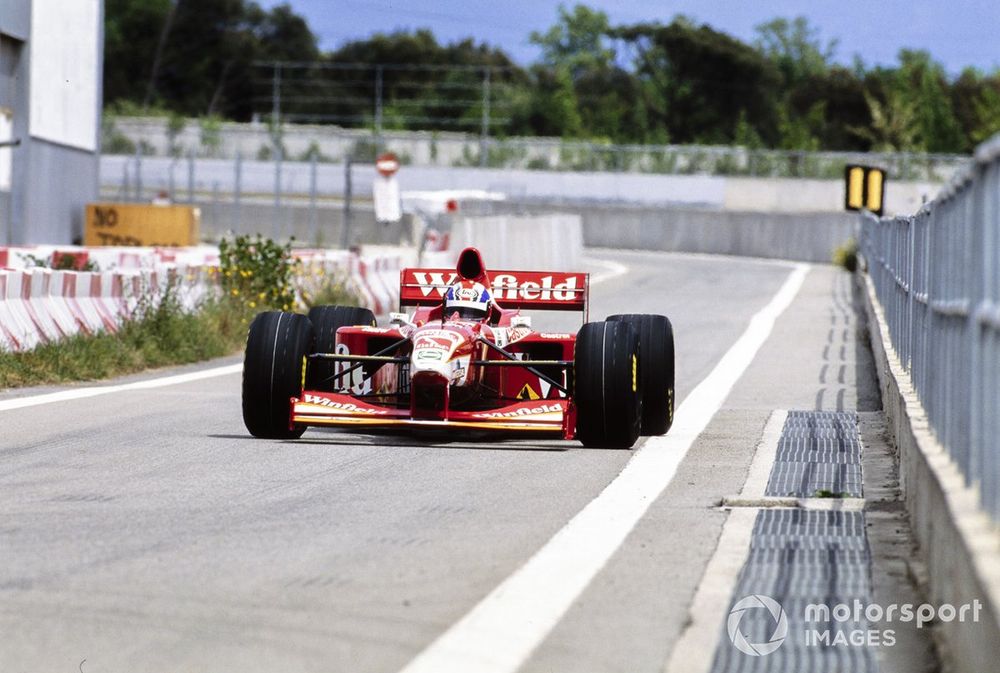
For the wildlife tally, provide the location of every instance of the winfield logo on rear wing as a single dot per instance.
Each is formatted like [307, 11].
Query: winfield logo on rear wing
[512, 289]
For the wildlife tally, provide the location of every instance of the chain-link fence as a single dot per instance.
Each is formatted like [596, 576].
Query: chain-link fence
[937, 276]
[331, 144]
[323, 205]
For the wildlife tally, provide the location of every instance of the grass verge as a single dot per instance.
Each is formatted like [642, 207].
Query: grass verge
[164, 336]
[254, 274]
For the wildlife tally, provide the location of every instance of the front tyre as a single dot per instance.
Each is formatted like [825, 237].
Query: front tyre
[606, 393]
[656, 349]
[277, 346]
[326, 320]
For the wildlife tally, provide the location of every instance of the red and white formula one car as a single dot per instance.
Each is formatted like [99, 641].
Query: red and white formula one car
[465, 360]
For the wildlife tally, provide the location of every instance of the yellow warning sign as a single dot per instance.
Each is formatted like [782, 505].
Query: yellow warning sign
[864, 188]
[528, 393]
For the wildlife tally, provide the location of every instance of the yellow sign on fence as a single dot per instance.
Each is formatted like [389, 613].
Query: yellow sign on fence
[864, 187]
[141, 224]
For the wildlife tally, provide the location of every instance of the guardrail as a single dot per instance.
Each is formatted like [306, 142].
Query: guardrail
[937, 276]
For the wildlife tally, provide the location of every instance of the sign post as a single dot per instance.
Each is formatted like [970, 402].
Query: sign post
[385, 190]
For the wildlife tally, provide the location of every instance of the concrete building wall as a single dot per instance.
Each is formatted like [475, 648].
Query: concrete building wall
[15, 20]
[54, 169]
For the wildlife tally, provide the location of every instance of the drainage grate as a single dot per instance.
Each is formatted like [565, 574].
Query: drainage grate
[818, 452]
[800, 558]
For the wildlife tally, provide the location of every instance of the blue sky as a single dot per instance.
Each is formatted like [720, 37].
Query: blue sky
[957, 32]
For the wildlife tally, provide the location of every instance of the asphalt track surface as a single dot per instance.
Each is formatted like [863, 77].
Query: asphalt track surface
[144, 530]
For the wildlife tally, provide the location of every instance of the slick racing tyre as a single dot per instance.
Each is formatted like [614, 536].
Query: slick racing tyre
[605, 380]
[276, 350]
[656, 376]
[326, 320]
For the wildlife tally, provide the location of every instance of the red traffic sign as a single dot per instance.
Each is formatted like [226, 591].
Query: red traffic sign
[387, 164]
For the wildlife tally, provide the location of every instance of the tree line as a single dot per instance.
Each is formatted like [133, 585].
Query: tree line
[676, 82]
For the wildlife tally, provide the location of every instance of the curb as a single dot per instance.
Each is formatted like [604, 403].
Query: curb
[958, 541]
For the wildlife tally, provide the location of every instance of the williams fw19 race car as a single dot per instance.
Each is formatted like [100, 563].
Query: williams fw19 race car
[466, 359]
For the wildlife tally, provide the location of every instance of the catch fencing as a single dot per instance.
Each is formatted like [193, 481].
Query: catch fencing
[155, 137]
[937, 277]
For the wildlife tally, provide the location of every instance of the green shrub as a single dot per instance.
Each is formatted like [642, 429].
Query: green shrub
[161, 333]
[211, 135]
[62, 262]
[847, 256]
[256, 272]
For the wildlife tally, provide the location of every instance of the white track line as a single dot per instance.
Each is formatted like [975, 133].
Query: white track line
[707, 256]
[614, 270]
[763, 457]
[504, 628]
[695, 649]
[82, 393]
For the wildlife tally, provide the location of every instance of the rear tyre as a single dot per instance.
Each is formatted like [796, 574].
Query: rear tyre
[277, 346]
[605, 390]
[656, 378]
[326, 320]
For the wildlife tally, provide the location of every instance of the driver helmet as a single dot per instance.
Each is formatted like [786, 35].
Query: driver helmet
[471, 300]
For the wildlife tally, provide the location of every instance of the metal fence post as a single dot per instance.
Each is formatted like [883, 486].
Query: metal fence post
[238, 193]
[277, 187]
[313, 215]
[276, 142]
[126, 188]
[215, 204]
[345, 229]
[171, 183]
[138, 173]
[378, 109]
[190, 176]
[484, 136]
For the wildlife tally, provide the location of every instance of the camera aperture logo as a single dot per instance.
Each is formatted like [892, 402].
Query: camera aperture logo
[854, 624]
[757, 602]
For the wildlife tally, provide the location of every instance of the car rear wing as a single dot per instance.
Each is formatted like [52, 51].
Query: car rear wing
[544, 290]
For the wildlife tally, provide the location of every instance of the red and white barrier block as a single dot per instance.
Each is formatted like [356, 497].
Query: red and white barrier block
[40, 306]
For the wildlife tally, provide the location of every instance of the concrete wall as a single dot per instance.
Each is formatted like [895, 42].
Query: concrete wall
[58, 182]
[809, 237]
[51, 181]
[805, 237]
[551, 242]
[15, 20]
[322, 228]
[958, 542]
[13, 96]
[788, 195]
